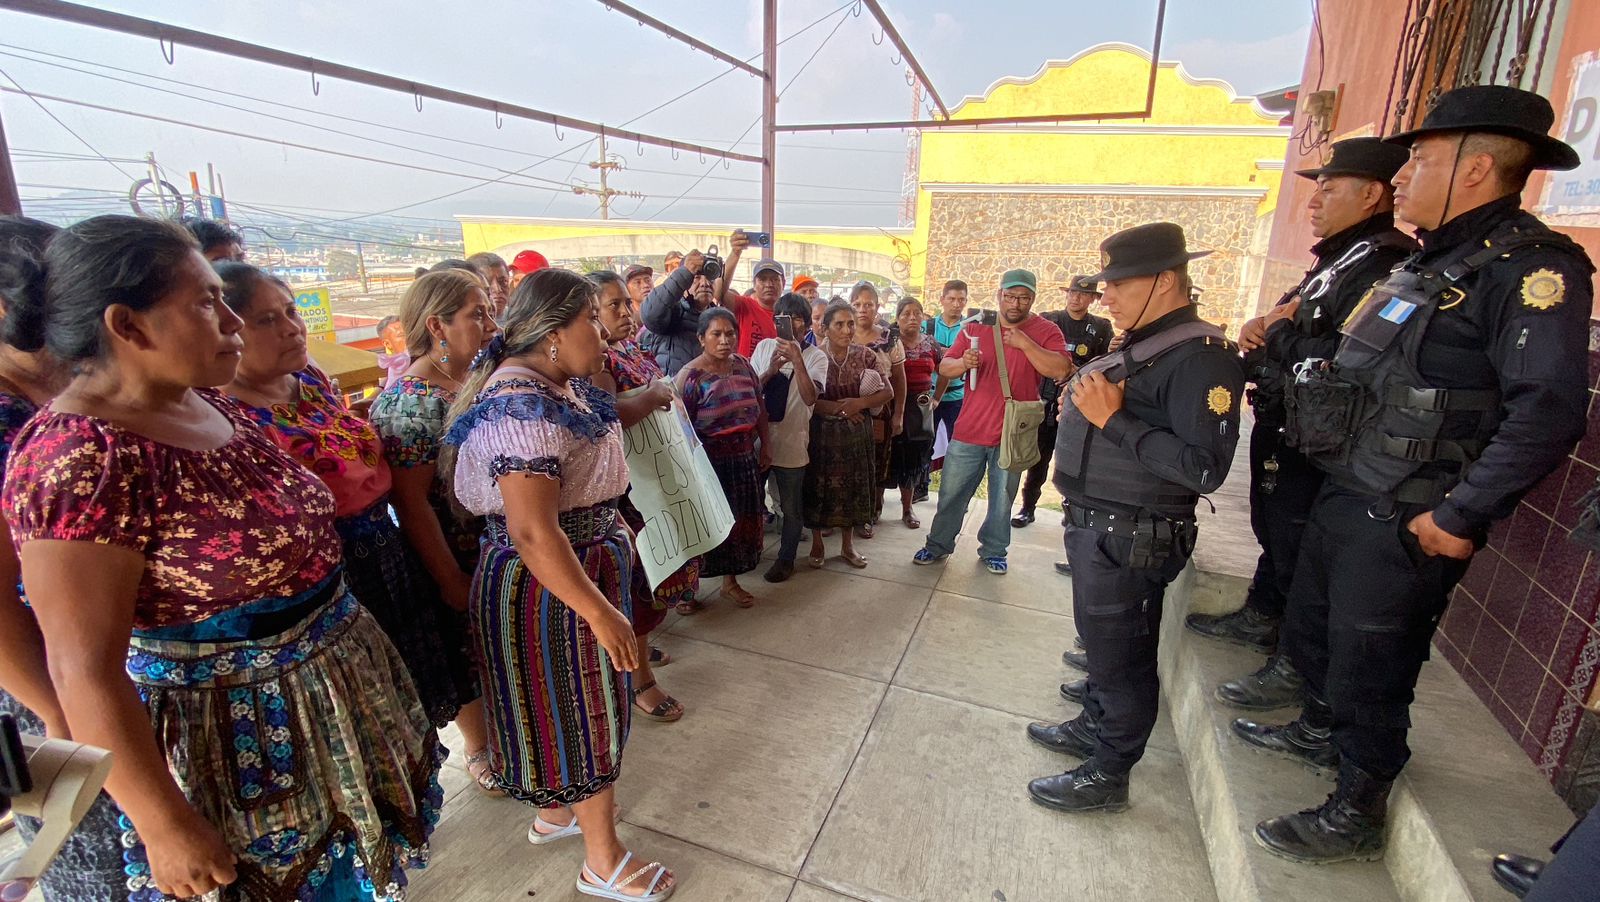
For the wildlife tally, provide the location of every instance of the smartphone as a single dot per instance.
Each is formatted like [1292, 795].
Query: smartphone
[759, 239]
[785, 325]
[989, 317]
[973, 311]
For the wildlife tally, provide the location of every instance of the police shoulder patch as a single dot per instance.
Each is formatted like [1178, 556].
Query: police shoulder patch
[1543, 289]
[1219, 400]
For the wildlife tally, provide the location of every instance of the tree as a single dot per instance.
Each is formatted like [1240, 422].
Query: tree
[343, 264]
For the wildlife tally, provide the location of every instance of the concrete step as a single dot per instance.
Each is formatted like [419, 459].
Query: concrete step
[1468, 793]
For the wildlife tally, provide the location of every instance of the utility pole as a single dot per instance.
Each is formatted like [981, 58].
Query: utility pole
[769, 114]
[605, 192]
[10, 200]
[361, 267]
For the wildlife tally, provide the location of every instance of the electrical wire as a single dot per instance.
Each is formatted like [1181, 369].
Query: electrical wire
[81, 139]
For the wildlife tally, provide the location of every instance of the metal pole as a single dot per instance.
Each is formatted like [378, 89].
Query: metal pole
[172, 35]
[769, 115]
[10, 200]
[361, 267]
[605, 190]
[671, 32]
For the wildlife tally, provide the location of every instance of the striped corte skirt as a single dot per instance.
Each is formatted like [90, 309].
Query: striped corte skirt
[557, 708]
[307, 749]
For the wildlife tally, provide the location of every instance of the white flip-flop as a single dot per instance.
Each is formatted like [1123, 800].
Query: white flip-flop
[571, 829]
[610, 889]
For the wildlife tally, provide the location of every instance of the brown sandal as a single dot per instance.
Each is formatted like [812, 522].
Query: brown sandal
[739, 597]
[689, 607]
[665, 712]
[911, 521]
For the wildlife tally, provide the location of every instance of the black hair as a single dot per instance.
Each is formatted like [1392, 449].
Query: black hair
[952, 285]
[241, 281]
[104, 260]
[711, 315]
[212, 233]
[837, 305]
[453, 263]
[22, 244]
[794, 305]
[603, 277]
[483, 261]
[906, 302]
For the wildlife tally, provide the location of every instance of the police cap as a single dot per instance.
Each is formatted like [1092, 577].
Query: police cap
[1498, 110]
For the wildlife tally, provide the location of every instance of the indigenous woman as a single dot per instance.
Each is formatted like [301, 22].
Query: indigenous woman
[89, 865]
[296, 405]
[838, 489]
[186, 578]
[536, 448]
[912, 449]
[445, 318]
[890, 362]
[722, 395]
[629, 368]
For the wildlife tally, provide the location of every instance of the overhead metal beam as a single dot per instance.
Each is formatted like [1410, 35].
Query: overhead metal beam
[927, 125]
[669, 31]
[10, 199]
[172, 35]
[905, 51]
[769, 118]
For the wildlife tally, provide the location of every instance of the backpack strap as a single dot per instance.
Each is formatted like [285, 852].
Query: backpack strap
[1000, 359]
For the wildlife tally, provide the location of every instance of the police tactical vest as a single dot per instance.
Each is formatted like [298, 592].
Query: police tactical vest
[1367, 417]
[1090, 466]
[1319, 287]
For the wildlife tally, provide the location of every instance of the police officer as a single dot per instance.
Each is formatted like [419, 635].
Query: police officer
[1352, 212]
[1460, 382]
[1144, 432]
[1087, 336]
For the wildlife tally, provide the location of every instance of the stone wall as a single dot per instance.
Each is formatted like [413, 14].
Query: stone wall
[976, 237]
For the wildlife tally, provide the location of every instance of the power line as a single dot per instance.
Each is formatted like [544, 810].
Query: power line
[81, 139]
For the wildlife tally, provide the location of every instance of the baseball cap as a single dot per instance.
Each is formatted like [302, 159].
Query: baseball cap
[801, 282]
[769, 266]
[1019, 278]
[528, 262]
[637, 269]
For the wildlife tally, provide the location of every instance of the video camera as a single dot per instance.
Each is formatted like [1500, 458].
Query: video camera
[712, 269]
[53, 780]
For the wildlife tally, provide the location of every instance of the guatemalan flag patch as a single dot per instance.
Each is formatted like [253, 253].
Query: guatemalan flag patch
[1397, 311]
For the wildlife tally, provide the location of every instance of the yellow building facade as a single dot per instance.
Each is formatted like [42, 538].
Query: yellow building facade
[1043, 196]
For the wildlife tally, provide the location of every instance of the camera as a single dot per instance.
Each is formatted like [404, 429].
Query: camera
[712, 269]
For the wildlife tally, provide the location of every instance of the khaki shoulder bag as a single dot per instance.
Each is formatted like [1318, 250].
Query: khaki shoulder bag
[1019, 429]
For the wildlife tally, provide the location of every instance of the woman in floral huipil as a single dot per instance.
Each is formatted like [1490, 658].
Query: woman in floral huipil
[265, 732]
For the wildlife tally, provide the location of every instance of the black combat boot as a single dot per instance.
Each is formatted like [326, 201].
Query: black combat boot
[1349, 826]
[1276, 685]
[1085, 788]
[1246, 626]
[1074, 737]
[1306, 739]
[1516, 874]
[1075, 690]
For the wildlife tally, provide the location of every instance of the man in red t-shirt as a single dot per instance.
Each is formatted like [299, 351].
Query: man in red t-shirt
[753, 310]
[1034, 348]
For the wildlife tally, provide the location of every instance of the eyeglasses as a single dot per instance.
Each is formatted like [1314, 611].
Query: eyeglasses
[1016, 298]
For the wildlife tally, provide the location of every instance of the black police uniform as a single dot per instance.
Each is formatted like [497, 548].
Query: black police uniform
[1131, 490]
[1507, 343]
[1282, 482]
[1087, 339]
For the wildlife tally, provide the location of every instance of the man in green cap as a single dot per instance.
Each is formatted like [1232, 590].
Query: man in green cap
[1145, 431]
[1461, 381]
[1033, 348]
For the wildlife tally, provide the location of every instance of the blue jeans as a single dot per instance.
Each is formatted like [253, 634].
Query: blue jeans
[964, 467]
[788, 481]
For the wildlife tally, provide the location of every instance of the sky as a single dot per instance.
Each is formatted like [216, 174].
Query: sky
[572, 57]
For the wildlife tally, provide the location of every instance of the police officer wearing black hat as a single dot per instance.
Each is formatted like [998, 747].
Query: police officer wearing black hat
[1461, 381]
[1088, 336]
[1352, 212]
[1144, 432]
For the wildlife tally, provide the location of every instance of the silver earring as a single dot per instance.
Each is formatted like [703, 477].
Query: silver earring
[554, 351]
[445, 347]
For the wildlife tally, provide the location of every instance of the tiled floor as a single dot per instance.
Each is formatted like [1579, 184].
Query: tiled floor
[859, 735]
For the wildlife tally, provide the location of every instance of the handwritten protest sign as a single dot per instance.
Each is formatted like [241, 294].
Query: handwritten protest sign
[676, 491]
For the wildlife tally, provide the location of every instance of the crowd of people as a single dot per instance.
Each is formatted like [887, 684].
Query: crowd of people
[267, 603]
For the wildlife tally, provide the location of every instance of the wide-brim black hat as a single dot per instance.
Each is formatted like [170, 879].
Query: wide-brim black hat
[1498, 110]
[1086, 284]
[1144, 250]
[1372, 158]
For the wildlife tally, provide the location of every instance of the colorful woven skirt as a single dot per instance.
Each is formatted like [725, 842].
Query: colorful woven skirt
[840, 482]
[391, 583]
[307, 749]
[557, 708]
[738, 468]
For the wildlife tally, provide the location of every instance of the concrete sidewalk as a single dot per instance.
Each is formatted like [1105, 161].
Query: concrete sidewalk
[859, 735]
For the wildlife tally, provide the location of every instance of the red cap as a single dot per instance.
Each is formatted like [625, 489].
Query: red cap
[529, 262]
